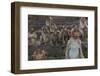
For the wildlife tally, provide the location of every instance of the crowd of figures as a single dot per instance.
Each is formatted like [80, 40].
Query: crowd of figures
[64, 36]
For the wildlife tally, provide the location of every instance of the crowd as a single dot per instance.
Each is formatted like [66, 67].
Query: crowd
[60, 36]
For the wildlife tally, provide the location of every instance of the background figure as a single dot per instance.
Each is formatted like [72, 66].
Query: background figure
[32, 36]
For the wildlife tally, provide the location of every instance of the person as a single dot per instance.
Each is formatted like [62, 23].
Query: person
[69, 31]
[65, 36]
[74, 48]
[44, 37]
[39, 54]
[32, 36]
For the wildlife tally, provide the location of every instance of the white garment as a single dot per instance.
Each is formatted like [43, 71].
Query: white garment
[73, 49]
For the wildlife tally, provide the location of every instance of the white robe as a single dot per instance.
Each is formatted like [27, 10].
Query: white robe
[73, 49]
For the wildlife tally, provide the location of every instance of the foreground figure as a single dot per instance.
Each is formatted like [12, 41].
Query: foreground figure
[39, 54]
[73, 48]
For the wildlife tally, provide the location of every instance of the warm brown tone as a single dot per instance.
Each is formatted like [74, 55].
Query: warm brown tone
[15, 37]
